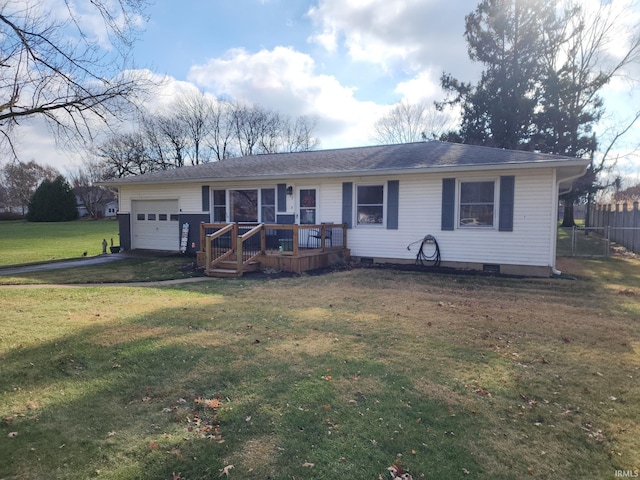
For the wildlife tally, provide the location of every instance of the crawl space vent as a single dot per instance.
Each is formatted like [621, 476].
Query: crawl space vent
[490, 268]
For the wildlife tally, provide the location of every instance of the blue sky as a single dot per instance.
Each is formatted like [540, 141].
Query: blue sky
[344, 61]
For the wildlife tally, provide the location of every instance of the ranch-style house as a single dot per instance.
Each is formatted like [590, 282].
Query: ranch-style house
[484, 208]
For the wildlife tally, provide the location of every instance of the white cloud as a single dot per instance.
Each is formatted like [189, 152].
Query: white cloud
[285, 80]
[425, 86]
[409, 34]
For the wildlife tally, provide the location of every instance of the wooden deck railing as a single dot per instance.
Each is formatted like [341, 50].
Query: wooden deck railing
[249, 246]
[219, 244]
[221, 240]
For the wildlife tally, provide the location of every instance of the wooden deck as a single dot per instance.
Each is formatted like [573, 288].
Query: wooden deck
[234, 248]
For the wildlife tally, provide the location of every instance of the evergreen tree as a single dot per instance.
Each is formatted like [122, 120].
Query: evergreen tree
[545, 64]
[53, 201]
[506, 37]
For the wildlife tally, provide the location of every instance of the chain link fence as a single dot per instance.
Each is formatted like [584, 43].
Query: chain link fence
[595, 241]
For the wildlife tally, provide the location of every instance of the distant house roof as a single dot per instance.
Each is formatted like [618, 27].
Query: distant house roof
[374, 160]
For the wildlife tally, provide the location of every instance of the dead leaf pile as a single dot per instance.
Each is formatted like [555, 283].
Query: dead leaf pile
[201, 417]
[396, 471]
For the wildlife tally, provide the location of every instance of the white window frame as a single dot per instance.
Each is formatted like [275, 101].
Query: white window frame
[227, 200]
[496, 204]
[275, 204]
[356, 222]
[214, 204]
[299, 206]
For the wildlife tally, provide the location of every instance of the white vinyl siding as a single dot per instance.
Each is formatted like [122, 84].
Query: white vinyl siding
[419, 214]
[420, 198]
[189, 196]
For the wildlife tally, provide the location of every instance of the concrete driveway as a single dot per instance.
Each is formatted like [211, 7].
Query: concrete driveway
[79, 262]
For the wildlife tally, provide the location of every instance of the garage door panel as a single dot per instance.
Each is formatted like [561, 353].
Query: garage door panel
[156, 225]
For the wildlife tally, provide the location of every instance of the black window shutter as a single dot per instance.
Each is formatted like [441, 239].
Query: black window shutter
[282, 197]
[347, 203]
[448, 203]
[393, 193]
[507, 184]
[206, 199]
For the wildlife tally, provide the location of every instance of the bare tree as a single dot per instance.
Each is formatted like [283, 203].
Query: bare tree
[125, 155]
[167, 140]
[410, 122]
[57, 67]
[83, 181]
[21, 179]
[4, 197]
[220, 139]
[259, 130]
[298, 134]
[581, 64]
[246, 122]
[195, 112]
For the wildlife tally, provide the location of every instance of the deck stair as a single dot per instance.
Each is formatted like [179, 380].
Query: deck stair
[230, 249]
[229, 268]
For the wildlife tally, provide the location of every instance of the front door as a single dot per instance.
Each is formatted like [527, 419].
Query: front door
[307, 206]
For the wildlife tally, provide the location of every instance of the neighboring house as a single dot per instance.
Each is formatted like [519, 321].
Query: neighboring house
[108, 203]
[487, 208]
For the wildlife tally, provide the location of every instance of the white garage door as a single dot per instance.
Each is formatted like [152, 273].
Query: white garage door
[155, 225]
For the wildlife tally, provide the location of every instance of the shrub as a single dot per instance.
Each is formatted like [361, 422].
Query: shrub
[9, 216]
[53, 201]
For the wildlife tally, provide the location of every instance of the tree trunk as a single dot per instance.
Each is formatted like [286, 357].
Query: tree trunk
[567, 218]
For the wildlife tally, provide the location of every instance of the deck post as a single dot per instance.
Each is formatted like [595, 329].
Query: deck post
[295, 240]
[203, 236]
[344, 236]
[239, 253]
[207, 247]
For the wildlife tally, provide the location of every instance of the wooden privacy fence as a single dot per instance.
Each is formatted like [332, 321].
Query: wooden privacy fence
[622, 223]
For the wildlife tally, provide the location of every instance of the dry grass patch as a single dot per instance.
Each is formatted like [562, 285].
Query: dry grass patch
[257, 457]
[502, 378]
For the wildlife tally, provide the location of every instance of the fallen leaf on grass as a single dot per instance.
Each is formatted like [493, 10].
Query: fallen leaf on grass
[213, 403]
[396, 471]
[308, 465]
[225, 470]
[482, 391]
[111, 434]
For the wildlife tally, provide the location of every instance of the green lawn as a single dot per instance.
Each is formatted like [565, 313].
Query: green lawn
[25, 242]
[336, 376]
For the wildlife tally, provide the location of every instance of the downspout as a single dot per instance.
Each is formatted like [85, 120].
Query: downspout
[555, 197]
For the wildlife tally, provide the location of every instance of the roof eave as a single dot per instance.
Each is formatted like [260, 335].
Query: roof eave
[579, 164]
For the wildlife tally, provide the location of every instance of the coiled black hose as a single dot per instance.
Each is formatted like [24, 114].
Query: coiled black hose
[424, 259]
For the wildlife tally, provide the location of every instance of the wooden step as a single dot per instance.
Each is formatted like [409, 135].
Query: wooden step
[223, 272]
[230, 269]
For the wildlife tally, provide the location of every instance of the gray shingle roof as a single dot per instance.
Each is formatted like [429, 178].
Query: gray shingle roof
[359, 160]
